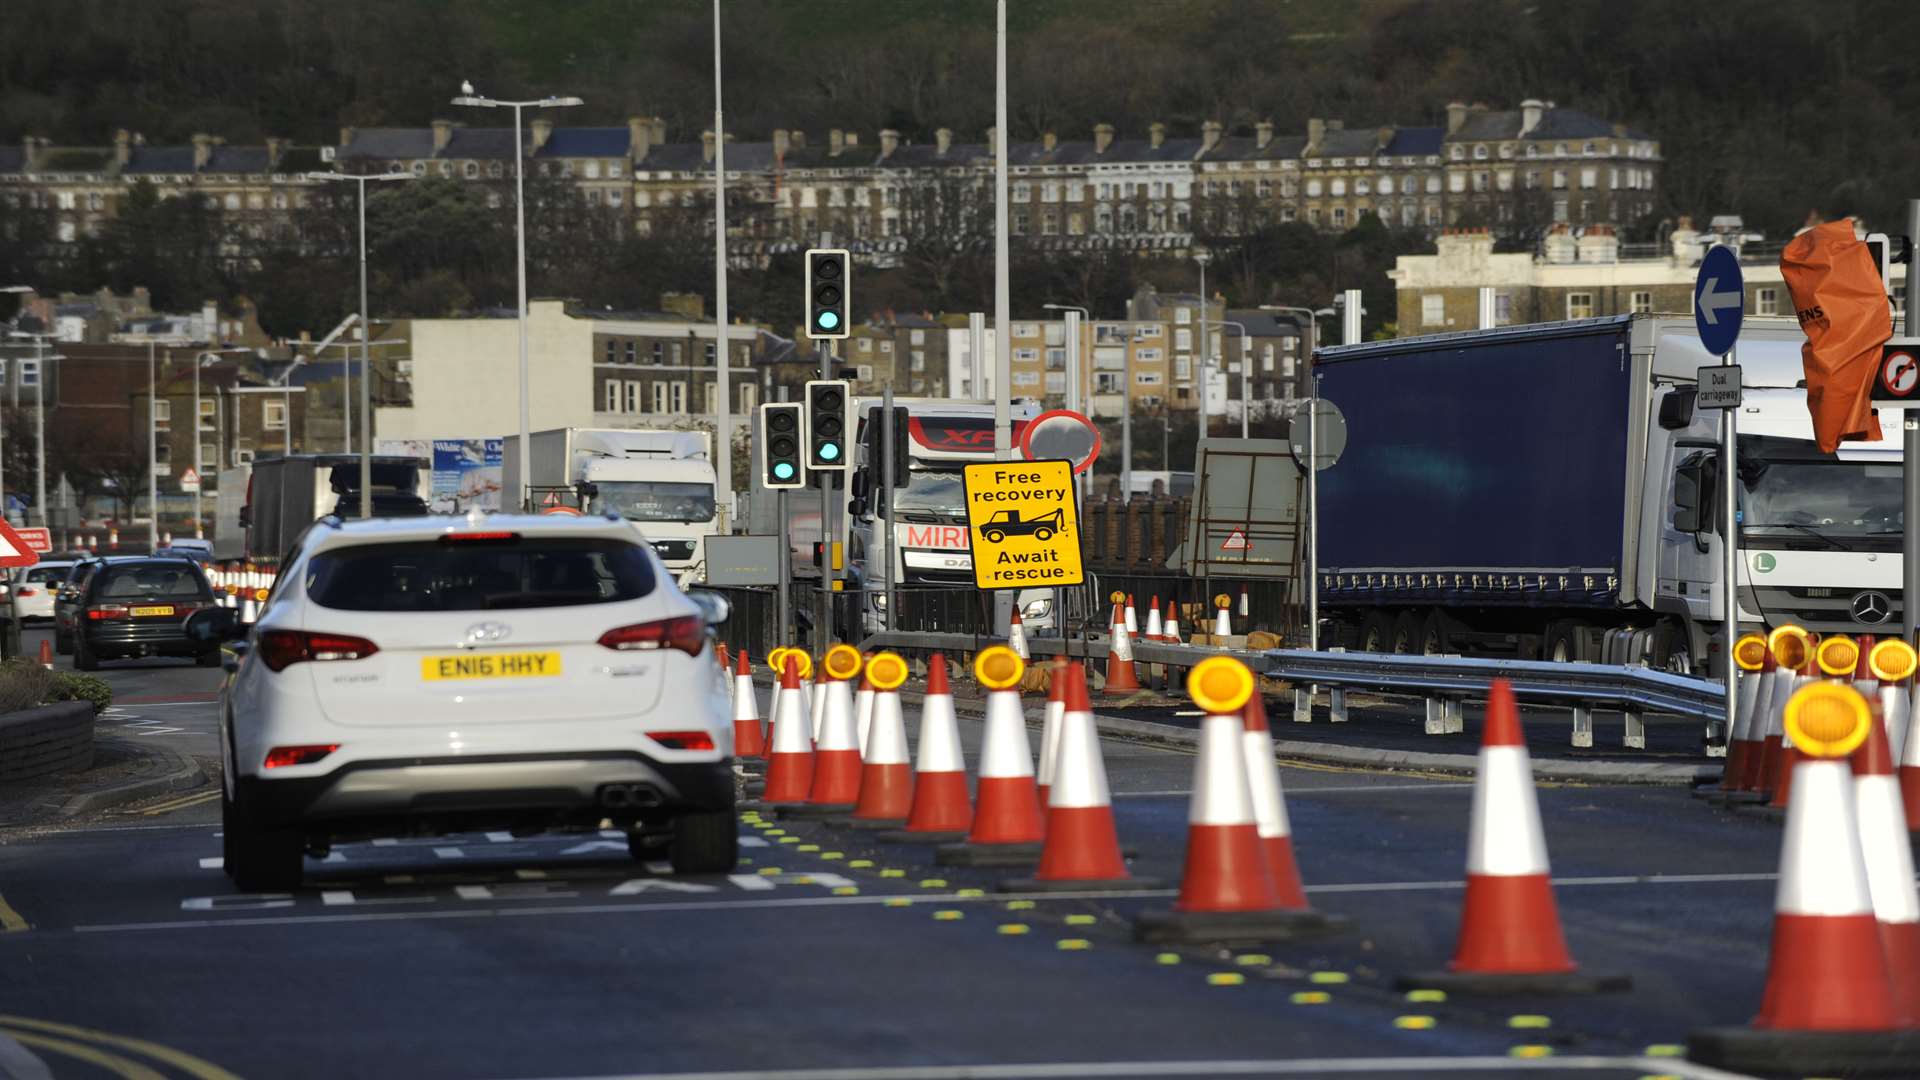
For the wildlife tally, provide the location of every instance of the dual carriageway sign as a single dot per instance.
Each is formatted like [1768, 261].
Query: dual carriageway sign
[1024, 525]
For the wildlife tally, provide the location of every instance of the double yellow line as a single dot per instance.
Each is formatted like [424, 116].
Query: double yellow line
[181, 803]
[98, 1048]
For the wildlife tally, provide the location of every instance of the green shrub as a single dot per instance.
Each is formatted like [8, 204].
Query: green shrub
[23, 685]
[76, 686]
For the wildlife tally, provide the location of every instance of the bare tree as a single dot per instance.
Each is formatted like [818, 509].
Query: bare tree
[946, 220]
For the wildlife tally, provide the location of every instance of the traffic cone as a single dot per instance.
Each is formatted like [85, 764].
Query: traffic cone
[1909, 773]
[749, 741]
[790, 763]
[1863, 680]
[1270, 805]
[1133, 625]
[1749, 656]
[46, 653]
[1829, 1006]
[1082, 849]
[1170, 633]
[1835, 650]
[1017, 635]
[1245, 612]
[1791, 649]
[1889, 861]
[1222, 622]
[113, 539]
[1006, 817]
[816, 702]
[1154, 626]
[1121, 678]
[836, 751]
[1767, 684]
[1050, 732]
[941, 811]
[886, 777]
[1510, 936]
[1892, 663]
[863, 711]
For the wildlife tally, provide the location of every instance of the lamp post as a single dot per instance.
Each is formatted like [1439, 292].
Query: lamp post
[366, 329]
[1313, 324]
[1077, 317]
[206, 357]
[1246, 377]
[723, 399]
[40, 359]
[1203, 257]
[520, 311]
[21, 290]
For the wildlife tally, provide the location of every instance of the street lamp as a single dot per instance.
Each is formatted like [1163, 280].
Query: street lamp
[520, 238]
[17, 289]
[1203, 257]
[1246, 375]
[366, 332]
[1313, 325]
[1075, 319]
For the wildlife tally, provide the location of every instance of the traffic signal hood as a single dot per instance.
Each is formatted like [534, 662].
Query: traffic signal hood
[829, 292]
[826, 425]
[782, 459]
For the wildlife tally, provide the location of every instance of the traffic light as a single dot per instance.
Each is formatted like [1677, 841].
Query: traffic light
[826, 425]
[780, 453]
[874, 439]
[829, 293]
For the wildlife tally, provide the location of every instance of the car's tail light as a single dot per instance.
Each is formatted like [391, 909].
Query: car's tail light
[281, 756]
[682, 740]
[279, 648]
[688, 633]
[98, 612]
[498, 536]
[29, 591]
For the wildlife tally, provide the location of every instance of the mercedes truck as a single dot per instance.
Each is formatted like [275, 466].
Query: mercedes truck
[1526, 490]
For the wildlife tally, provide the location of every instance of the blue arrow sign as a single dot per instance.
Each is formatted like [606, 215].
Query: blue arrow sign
[1719, 297]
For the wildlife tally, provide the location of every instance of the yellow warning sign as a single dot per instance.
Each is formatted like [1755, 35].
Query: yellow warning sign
[1026, 533]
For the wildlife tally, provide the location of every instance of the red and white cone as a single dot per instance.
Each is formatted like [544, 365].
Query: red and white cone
[1783, 786]
[1791, 648]
[790, 762]
[1889, 861]
[1830, 1006]
[46, 654]
[1892, 663]
[1133, 624]
[1017, 634]
[941, 811]
[1749, 654]
[1766, 684]
[1050, 731]
[1222, 621]
[749, 741]
[1510, 936]
[1270, 806]
[886, 776]
[817, 701]
[1154, 626]
[1909, 773]
[1170, 632]
[1245, 611]
[1006, 813]
[1863, 680]
[1121, 677]
[863, 712]
[1082, 849]
[836, 751]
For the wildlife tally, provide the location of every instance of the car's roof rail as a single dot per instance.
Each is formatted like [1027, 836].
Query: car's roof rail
[331, 521]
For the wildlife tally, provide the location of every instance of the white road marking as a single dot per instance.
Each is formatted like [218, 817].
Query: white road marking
[213, 862]
[449, 853]
[1072, 1070]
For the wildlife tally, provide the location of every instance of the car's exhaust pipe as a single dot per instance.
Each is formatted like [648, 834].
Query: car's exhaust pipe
[630, 796]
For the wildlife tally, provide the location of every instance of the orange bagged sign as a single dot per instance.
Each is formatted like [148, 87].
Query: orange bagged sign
[1842, 306]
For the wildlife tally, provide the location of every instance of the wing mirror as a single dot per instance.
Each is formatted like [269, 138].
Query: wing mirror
[213, 625]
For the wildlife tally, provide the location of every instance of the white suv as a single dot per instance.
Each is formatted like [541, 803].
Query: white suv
[434, 675]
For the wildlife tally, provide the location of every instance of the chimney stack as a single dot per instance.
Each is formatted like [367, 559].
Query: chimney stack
[639, 139]
[1530, 112]
[706, 147]
[1262, 134]
[346, 136]
[202, 151]
[943, 140]
[798, 138]
[443, 134]
[122, 148]
[1156, 134]
[1316, 135]
[1456, 116]
[1209, 136]
[889, 142]
[836, 142]
[1048, 141]
[542, 131]
[659, 131]
[276, 149]
[1102, 137]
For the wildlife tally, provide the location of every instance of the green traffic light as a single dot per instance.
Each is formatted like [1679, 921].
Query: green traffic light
[827, 320]
[783, 470]
[829, 451]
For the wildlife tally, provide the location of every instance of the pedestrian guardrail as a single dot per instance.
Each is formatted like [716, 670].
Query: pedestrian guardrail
[1445, 682]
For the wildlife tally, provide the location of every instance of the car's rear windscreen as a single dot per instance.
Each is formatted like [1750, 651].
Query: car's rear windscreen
[150, 581]
[479, 575]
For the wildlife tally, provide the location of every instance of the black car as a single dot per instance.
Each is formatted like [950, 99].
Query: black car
[138, 607]
[66, 597]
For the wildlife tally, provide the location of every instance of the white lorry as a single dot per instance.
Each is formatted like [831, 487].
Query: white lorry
[661, 481]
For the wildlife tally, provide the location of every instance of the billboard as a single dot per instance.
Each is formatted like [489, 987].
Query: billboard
[465, 473]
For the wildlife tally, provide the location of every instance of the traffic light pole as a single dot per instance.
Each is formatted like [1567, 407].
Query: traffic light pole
[783, 612]
[886, 509]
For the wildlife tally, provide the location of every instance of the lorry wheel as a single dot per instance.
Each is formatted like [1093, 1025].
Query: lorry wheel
[705, 842]
[1670, 650]
[1565, 643]
[1406, 633]
[1433, 636]
[1376, 632]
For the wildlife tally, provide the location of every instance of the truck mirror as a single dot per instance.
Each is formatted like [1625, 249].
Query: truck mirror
[857, 507]
[859, 485]
[1676, 410]
[1689, 481]
[586, 490]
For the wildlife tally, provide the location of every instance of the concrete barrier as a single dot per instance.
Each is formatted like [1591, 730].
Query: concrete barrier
[49, 739]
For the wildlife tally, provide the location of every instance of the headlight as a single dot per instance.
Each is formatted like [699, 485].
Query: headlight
[1037, 609]
[880, 600]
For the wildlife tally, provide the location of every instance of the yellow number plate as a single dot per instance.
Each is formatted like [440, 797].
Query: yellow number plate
[524, 665]
[139, 611]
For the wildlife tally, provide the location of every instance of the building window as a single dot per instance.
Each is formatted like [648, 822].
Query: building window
[1641, 302]
[710, 356]
[1433, 310]
[1339, 216]
[1313, 188]
[631, 395]
[1502, 309]
[1337, 187]
[1559, 179]
[273, 415]
[162, 413]
[612, 348]
[1183, 368]
[1026, 356]
[1457, 182]
[610, 396]
[1480, 152]
[1183, 340]
[1766, 302]
[1580, 305]
[209, 413]
[1147, 378]
[1147, 356]
[1589, 178]
[917, 360]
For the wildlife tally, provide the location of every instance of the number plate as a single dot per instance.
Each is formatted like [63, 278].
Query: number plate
[140, 612]
[490, 666]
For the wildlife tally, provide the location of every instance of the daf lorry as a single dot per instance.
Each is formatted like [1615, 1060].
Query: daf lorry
[1525, 490]
[661, 481]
